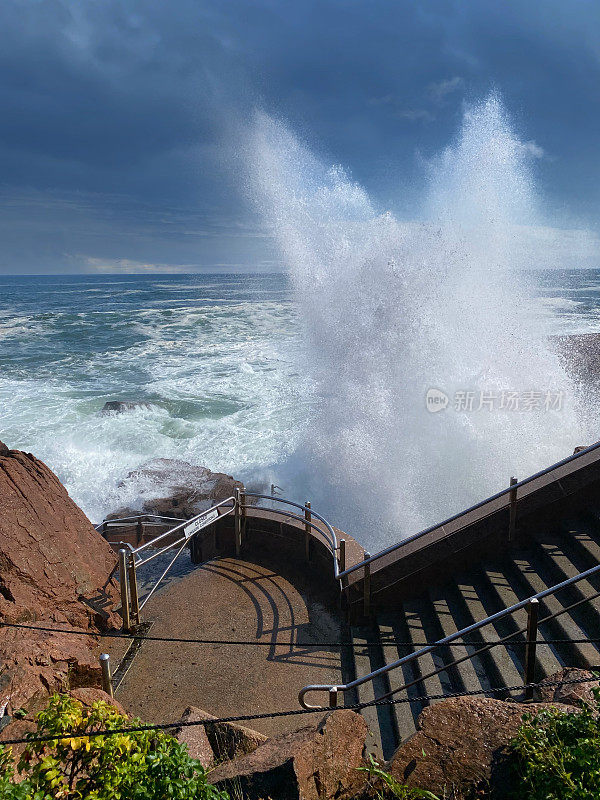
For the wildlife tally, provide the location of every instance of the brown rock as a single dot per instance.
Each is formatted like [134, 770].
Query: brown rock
[88, 695]
[318, 762]
[461, 743]
[195, 738]
[227, 739]
[19, 728]
[54, 571]
[574, 694]
[172, 488]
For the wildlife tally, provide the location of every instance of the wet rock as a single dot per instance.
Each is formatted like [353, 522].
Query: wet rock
[462, 743]
[574, 694]
[120, 406]
[227, 740]
[55, 572]
[319, 762]
[172, 488]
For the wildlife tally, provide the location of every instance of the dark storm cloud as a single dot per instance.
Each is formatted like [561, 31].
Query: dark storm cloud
[116, 115]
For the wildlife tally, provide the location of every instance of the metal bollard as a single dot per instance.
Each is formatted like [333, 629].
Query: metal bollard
[367, 587]
[307, 517]
[123, 580]
[133, 590]
[342, 555]
[333, 697]
[238, 521]
[512, 525]
[530, 647]
[107, 684]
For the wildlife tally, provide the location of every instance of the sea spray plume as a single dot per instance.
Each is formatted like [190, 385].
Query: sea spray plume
[393, 309]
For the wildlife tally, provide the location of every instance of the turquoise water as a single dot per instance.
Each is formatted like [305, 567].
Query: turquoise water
[216, 357]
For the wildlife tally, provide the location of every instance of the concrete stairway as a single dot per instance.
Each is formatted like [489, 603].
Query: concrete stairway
[544, 559]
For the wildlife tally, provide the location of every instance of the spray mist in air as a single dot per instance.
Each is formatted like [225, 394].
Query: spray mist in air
[396, 314]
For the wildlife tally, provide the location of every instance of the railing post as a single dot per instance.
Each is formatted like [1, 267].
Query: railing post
[140, 531]
[243, 510]
[133, 590]
[367, 587]
[123, 580]
[238, 521]
[307, 517]
[512, 524]
[342, 560]
[107, 684]
[333, 697]
[530, 647]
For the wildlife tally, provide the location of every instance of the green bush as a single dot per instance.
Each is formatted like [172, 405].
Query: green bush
[147, 765]
[382, 785]
[557, 755]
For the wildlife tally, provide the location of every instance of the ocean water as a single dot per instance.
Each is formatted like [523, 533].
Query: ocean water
[213, 356]
[218, 358]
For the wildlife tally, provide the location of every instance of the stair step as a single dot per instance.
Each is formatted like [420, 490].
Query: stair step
[404, 714]
[470, 674]
[526, 575]
[382, 736]
[467, 608]
[556, 566]
[415, 614]
[498, 594]
[581, 538]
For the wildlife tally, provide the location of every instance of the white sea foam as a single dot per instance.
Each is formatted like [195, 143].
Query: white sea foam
[393, 309]
[216, 376]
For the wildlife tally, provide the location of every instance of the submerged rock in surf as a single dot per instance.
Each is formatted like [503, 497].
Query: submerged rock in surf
[120, 406]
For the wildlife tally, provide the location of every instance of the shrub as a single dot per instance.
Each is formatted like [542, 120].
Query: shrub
[384, 785]
[146, 765]
[557, 755]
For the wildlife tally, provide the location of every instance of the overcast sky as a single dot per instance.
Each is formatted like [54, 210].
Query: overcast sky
[115, 131]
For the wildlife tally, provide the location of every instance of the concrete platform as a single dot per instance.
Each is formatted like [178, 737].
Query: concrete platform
[236, 598]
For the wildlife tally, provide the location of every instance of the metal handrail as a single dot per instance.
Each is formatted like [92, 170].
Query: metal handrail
[152, 543]
[513, 488]
[331, 538]
[130, 558]
[135, 518]
[333, 689]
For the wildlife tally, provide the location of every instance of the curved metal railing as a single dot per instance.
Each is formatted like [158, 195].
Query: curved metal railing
[513, 488]
[328, 533]
[132, 558]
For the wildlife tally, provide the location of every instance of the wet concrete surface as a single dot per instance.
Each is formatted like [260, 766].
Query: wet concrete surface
[233, 598]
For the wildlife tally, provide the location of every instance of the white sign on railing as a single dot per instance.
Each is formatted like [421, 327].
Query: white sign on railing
[200, 522]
